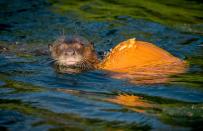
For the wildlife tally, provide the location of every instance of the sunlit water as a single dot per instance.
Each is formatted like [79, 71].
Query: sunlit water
[35, 97]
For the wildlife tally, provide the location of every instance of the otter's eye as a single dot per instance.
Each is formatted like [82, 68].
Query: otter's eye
[62, 46]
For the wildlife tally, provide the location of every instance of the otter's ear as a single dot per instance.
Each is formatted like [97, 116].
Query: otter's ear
[50, 47]
[91, 45]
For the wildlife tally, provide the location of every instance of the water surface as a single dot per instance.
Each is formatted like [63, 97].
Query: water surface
[35, 97]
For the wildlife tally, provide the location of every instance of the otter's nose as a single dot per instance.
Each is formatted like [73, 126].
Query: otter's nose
[69, 52]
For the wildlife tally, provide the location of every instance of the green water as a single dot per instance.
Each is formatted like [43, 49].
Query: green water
[36, 97]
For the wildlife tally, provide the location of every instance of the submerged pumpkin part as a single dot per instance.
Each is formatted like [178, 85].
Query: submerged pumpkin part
[140, 57]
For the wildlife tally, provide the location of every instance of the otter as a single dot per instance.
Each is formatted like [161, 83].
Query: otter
[73, 54]
[132, 59]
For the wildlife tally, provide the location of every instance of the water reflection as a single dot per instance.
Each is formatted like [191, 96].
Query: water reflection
[34, 96]
[131, 101]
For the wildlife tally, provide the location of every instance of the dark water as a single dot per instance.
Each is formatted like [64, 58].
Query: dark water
[35, 97]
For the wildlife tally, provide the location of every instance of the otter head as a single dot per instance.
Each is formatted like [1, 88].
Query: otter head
[73, 53]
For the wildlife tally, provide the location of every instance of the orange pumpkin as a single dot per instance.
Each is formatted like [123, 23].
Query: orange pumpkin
[133, 56]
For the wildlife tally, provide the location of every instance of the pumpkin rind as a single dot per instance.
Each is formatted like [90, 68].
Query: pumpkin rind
[132, 55]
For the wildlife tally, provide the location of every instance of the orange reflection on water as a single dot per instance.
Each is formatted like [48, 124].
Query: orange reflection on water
[135, 103]
[132, 102]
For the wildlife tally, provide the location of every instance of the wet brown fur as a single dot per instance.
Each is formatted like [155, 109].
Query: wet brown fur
[82, 48]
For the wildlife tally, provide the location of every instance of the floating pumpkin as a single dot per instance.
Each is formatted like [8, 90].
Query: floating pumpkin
[133, 56]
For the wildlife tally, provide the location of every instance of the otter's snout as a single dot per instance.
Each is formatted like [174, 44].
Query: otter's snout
[69, 52]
